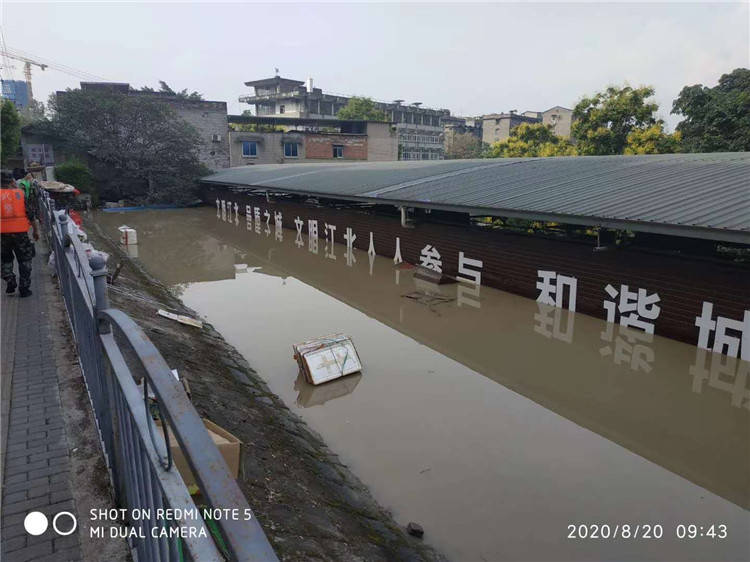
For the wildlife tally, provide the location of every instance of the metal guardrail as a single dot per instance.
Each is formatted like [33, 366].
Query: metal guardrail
[114, 352]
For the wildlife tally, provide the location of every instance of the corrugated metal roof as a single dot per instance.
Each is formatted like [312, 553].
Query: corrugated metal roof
[704, 195]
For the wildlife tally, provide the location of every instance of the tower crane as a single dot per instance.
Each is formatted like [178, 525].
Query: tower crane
[27, 62]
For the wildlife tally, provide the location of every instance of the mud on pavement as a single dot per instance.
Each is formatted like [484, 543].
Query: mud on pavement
[308, 502]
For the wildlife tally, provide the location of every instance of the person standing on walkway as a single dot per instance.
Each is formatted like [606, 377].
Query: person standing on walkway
[17, 214]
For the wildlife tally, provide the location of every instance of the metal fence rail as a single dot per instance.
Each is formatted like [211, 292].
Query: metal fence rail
[114, 353]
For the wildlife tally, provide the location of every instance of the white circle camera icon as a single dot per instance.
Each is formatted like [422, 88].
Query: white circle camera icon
[35, 523]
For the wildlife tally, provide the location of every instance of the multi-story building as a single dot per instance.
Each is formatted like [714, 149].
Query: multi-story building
[497, 126]
[16, 91]
[310, 140]
[419, 129]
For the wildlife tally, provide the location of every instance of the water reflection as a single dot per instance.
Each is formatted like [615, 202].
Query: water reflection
[628, 347]
[725, 373]
[310, 395]
[496, 458]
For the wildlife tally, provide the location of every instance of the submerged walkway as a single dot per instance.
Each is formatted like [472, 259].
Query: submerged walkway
[36, 456]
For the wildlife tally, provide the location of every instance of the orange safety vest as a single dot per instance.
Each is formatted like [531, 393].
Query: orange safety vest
[13, 211]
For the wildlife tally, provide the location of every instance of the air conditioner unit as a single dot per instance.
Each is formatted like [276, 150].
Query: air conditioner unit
[216, 138]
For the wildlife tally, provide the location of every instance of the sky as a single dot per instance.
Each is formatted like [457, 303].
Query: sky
[472, 59]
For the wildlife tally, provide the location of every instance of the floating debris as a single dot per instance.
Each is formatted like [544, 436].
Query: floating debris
[327, 358]
[415, 529]
[181, 318]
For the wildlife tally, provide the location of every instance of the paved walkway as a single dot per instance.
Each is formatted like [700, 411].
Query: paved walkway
[36, 459]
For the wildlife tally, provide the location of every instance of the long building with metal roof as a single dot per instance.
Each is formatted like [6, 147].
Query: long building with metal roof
[693, 195]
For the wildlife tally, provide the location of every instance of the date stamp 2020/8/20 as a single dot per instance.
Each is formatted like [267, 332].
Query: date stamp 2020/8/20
[645, 531]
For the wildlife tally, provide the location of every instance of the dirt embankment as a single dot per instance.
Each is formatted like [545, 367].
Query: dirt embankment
[310, 505]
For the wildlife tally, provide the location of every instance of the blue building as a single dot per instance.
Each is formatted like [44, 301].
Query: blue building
[16, 91]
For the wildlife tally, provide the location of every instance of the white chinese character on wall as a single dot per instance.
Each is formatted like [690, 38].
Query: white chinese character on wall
[371, 249]
[633, 307]
[299, 224]
[256, 218]
[736, 345]
[350, 237]
[430, 258]
[330, 231]
[218, 208]
[278, 226]
[552, 289]
[312, 235]
[473, 275]
[397, 259]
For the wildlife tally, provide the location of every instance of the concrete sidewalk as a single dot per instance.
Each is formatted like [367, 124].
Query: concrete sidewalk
[52, 459]
[36, 464]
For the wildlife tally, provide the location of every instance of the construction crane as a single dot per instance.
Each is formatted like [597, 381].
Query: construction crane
[27, 62]
[28, 59]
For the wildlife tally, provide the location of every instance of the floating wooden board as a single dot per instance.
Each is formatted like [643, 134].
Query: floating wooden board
[327, 358]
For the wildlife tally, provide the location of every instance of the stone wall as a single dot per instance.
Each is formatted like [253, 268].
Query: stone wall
[209, 118]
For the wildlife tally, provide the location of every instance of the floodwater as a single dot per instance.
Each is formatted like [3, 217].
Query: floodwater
[491, 420]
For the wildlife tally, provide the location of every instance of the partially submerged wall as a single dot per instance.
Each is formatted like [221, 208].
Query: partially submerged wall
[513, 262]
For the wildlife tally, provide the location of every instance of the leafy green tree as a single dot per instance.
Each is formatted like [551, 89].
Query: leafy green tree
[653, 141]
[77, 174]
[531, 139]
[716, 119]
[10, 131]
[137, 145]
[363, 109]
[603, 121]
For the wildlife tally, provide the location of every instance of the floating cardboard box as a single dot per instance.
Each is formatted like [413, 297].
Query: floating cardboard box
[327, 358]
[228, 445]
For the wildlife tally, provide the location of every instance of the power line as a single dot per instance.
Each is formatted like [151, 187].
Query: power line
[54, 65]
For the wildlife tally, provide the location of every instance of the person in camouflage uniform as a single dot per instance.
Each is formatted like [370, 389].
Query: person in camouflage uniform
[19, 243]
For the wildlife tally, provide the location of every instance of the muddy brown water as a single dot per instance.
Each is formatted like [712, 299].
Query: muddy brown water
[493, 421]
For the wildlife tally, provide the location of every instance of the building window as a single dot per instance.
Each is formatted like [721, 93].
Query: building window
[249, 149]
[338, 151]
[281, 109]
[290, 150]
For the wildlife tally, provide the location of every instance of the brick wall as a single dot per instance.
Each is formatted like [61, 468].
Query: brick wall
[511, 262]
[321, 146]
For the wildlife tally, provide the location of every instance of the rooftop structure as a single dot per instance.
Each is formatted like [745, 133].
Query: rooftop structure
[691, 195]
[420, 129]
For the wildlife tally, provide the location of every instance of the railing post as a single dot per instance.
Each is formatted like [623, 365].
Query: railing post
[63, 229]
[99, 273]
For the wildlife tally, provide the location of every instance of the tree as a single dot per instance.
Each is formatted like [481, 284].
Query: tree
[653, 141]
[463, 145]
[531, 139]
[165, 89]
[137, 145]
[77, 174]
[32, 113]
[716, 119]
[10, 131]
[361, 109]
[603, 122]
